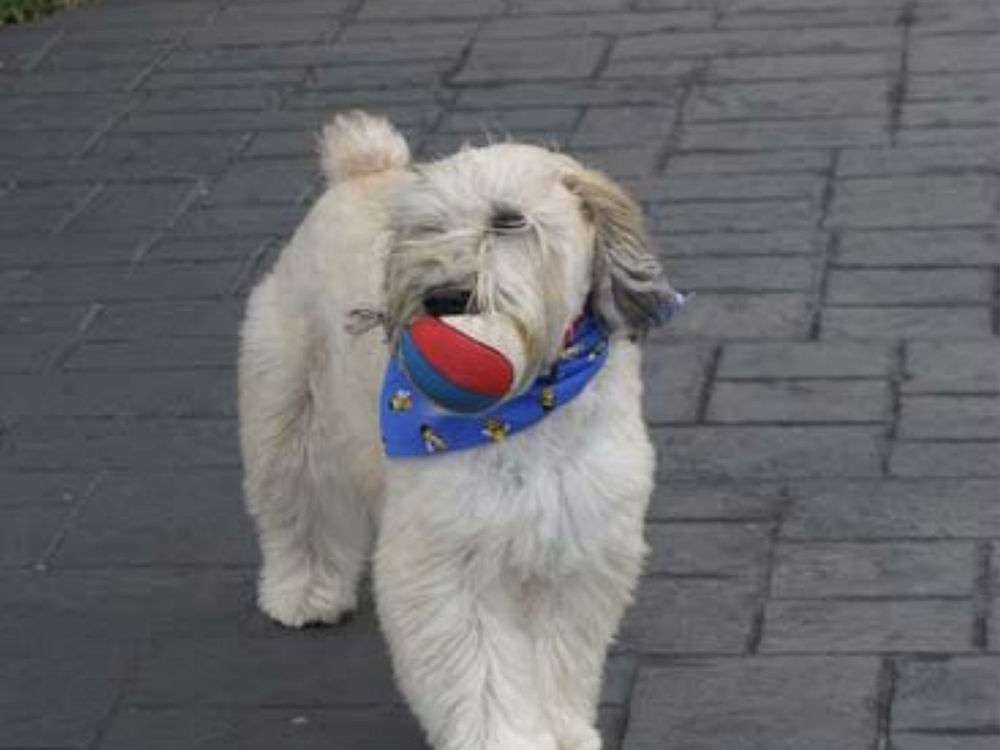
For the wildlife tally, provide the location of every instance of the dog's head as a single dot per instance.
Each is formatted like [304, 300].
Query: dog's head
[527, 233]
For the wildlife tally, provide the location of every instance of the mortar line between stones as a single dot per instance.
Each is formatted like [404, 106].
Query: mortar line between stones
[983, 596]
[830, 249]
[884, 696]
[37, 58]
[897, 375]
[705, 393]
[62, 353]
[689, 83]
[42, 563]
[896, 95]
[755, 636]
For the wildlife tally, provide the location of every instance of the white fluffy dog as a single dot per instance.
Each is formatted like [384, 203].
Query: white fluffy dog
[500, 572]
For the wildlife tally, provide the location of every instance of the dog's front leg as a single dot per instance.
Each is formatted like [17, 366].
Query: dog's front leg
[461, 647]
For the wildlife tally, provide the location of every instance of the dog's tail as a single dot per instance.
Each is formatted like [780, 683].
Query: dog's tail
[356, 143]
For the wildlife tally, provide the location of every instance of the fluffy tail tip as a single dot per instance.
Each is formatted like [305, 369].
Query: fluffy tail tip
[356, 143]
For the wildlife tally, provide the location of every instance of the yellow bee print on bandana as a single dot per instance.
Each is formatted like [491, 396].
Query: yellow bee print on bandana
[402, 400]
[433, 442]
[496, 430]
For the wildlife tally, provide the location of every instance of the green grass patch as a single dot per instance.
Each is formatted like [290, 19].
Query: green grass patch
[21, 11]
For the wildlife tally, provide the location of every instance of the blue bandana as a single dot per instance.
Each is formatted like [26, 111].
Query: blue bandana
[413, 425]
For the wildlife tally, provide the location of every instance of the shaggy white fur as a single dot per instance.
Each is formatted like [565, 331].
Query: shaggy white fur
[501, 572]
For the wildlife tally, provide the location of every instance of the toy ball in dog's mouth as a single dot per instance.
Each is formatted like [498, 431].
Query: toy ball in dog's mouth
[463, 363]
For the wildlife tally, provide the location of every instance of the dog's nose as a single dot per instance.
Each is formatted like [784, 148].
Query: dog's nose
[447, 301]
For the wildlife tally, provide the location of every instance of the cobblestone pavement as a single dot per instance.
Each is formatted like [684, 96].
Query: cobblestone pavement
[824, 173]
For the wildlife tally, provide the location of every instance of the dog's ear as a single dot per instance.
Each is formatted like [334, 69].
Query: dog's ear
[630, 288]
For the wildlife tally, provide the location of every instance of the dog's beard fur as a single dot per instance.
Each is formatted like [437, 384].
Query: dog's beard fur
[442, 237]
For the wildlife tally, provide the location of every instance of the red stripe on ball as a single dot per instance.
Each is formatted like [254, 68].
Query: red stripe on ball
[463, 360]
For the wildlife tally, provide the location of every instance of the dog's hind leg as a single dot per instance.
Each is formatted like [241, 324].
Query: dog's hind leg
[460, 646]
[313, 528]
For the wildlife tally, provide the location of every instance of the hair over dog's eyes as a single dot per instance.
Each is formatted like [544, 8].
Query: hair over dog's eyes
[508, 220]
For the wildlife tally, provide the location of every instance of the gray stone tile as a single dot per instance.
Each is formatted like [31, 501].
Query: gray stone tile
[183, 319]
[162, 354]
[954, 53]
[915, 160]
[520, 61]
[954, 694]
[681, 185]
[44, 488]
[744, 316]
[920, 322]
[615, 126]
[706, 501]
[930, 508]
[254, 671]
[905, 741]
[779, 100]
[673, 375]
[591, 24]
[909, 287]
[914, 202]
[799, 66]
[755, 164]
[785, 703]
[253, 728]
[935, 247]
[158, 518]
[701, 244]
[281, 181]
[840, 359]
[823, 570]
[689, 616]
[728, 549]
[768, 452]
[951, 366]
[958, 417]
[832, 626]
[715, 274]
[810, 134]
[778, 213]
[800, 401]
[944, 459]
[25, 533]
[756, 42]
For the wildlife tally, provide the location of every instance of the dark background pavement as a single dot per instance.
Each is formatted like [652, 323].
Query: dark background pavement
[823, 172]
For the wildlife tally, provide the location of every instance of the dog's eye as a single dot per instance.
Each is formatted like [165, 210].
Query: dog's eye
[508, 220]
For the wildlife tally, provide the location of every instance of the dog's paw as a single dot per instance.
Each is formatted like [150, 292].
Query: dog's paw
[580, 737]
[296, 601]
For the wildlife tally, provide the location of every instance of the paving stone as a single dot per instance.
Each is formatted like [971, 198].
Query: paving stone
[276, 671]
[25, 533]
[563, 94]
[819, 570]
[47, 443]
[593, 24]
[673, 377]
[700, 244]
[904, 741]
[43, 489]
[561, 119]
[881, 162]
[257, 728]
[944, 459]
[922, 322]
[728, 549]
[29, 353]
[400, 9]
[621, 161]
[928, 201]
[722, 186]
[778, 213]
[744, 316]
[161, 354]
[925, 509]
[840, 132]
[891, 625]
[743, 274]
[778, 100]
[86, 675]
[513, 61]
[182, 153]
[781, 703]
[953, 53]
[909, 286]
[235, 79]
[623, 125]
[182, 319]
[765, 67]
[672, 72]
[956, 134]
[389, 29]
[754, 164]
[759, 41]
[225, 221]
[805, 360]
[161, 518]
[284, 181]
[800, 401]
[947, 113]
[22, 320]
[768, 452]
[953, 694]
[951, 366]
[124, 606]
[705, 616]
[950, 417]
[850, 15]
[905, 247]
[952, 85]
[721, 501]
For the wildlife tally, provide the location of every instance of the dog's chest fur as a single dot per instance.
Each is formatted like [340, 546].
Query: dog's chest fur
[550, 498]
